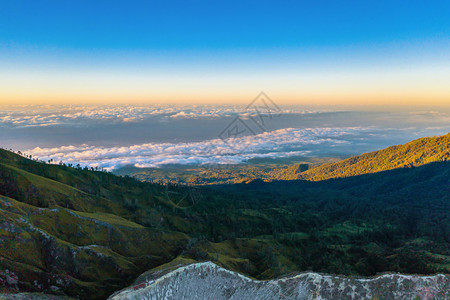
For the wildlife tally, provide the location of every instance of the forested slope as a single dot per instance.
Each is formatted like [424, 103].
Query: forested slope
[413, 154]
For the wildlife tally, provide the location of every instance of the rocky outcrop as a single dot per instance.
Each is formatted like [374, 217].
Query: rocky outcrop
[209, 281]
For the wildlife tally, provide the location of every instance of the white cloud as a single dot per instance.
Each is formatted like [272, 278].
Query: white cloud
[275, 144]
[33, 116]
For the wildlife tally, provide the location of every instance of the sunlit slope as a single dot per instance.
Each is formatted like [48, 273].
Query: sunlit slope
[413, 154]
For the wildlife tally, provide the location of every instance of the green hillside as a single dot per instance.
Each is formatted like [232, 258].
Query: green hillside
[413, 154]
[86, 234]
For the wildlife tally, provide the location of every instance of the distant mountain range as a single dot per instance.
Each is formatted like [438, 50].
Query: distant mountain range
[86, 234]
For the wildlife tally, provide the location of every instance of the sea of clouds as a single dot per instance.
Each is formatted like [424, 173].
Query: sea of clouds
[47, 115]
[115, 136]
[276, 144]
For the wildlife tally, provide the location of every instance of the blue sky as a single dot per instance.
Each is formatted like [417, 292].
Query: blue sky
[210, 25]
[217, 39]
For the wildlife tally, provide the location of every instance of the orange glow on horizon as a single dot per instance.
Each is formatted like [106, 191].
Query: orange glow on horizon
[356, 87]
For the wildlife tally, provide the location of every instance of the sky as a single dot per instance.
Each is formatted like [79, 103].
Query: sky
[298, 52]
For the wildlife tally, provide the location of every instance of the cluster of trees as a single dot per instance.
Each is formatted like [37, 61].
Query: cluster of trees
[52, 161]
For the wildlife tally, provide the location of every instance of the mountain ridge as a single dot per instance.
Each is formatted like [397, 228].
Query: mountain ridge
[412, 154]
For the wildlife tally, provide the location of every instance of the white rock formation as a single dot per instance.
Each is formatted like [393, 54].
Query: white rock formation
[209, 281]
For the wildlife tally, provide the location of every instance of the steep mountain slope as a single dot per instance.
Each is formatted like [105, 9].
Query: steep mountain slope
[85, 234]
[71, 239]
[209, 281]
[62, 250]
[413, 154]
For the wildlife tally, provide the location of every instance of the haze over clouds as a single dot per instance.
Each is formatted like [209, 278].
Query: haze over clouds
[47, 115]
[17, 116]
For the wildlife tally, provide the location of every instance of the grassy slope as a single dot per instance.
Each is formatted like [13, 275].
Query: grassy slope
[77, 252]
[71, 230]
[416, 153]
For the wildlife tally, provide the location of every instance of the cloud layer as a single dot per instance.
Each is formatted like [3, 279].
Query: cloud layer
[151, 136]
[275, 144]
[33, 116]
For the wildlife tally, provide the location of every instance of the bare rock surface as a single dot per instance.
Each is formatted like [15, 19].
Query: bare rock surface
[209, 281]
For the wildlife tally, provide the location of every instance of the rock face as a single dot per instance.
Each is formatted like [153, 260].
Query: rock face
[209, 281]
